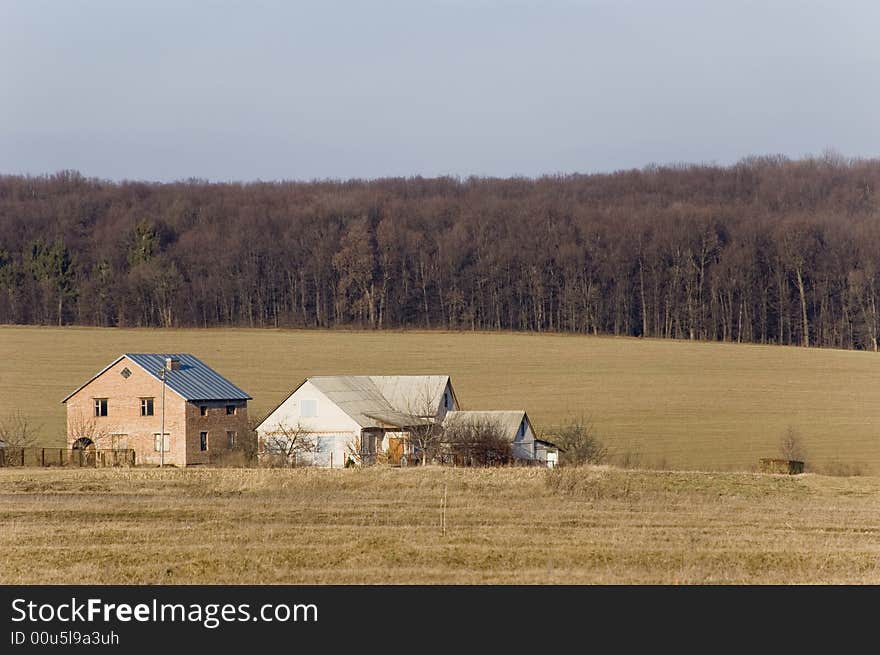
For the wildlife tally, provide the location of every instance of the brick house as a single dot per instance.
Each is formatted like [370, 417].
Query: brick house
[121, 408]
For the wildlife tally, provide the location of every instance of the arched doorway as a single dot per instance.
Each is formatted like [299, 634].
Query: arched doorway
[83, 452]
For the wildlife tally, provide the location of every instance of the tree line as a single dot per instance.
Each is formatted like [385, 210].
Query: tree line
[768, 250]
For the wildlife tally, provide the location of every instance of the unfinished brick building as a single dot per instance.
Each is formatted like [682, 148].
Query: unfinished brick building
[121, 408]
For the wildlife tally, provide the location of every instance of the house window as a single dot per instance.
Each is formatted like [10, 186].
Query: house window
[158, 445]
[230, 410]
[308, 408]
[203, 410]
[125, 373]
[119, 441]
[230, 438]
[203, 441]
[447, 401]
[522, 429]
[146, 406]
[100, 407]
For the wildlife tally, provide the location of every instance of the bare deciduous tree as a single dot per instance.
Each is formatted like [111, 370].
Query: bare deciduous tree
[578, 443]
[284, 446]
[793, 258]
[83, 426]
[425, 434]
[18, 431]
[791, 446]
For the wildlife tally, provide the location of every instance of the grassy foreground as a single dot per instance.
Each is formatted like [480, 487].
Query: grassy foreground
[379, 525]
[663, 404]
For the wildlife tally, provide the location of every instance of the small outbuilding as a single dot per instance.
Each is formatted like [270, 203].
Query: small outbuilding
[514, 425]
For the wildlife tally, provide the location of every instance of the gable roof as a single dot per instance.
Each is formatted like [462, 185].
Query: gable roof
[194, 380]
[508, 420]
[374, 401]
[412, 394]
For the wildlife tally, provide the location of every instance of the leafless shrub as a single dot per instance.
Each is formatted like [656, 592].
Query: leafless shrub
[841, 469]
[791, 446]
[18, 431]
[578, 443]
[244, 452]
[629, 459]
[476, 443]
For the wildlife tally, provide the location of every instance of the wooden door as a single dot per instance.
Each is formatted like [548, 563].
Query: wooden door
[395, 450]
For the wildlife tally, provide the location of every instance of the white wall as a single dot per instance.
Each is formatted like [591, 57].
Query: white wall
[332, 428]
[546, 455]
[441, 411]
[524, 446]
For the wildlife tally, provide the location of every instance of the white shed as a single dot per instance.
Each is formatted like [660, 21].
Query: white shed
[515, 424]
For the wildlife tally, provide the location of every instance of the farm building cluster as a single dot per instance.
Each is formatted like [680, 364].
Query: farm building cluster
[160, 409]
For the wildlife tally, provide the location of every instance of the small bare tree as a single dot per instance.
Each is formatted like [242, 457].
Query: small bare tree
[18, 431]
[791, 446]
[83, 426]
[283, 446]
[425, 433]
[479, 442]
[578, 443]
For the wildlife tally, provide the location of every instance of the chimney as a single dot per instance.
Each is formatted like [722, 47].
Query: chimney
[172, 363]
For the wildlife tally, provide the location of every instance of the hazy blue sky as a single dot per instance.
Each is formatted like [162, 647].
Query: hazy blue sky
[301, 90]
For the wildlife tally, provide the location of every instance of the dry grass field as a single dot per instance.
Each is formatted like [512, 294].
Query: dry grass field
[655, 403]
[380, 525]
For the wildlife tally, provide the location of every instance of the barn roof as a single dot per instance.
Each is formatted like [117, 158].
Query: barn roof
[508, 420]
[194, 380]
[379, 400]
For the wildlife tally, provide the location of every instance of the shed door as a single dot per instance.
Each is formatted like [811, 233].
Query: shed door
[395, 450]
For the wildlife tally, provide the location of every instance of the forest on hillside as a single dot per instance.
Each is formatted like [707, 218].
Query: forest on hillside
[768, 250]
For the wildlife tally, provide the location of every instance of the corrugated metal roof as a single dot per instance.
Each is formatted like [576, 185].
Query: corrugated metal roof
[194, 380]
[375, 401]
[507, 420]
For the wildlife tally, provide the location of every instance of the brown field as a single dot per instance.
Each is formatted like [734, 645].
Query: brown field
[655, 403]
[381, 525]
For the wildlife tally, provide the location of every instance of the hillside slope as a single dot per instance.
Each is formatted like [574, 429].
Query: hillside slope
[660, 403]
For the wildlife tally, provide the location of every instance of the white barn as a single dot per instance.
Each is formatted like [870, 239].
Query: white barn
[369, 414]
[516, 426]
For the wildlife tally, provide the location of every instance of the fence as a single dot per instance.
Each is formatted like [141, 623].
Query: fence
[36, 456]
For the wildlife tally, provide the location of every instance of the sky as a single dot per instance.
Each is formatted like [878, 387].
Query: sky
[258, 90]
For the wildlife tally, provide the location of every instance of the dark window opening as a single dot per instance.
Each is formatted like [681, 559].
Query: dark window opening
[203, 441]
[146, 406]
[100, 407]
[203, 410]
[230, 410]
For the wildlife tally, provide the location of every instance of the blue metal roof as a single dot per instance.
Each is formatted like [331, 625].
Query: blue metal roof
[194, 380]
